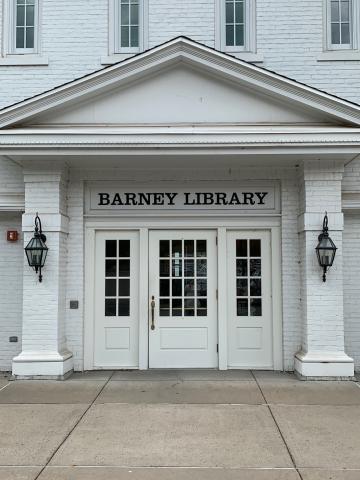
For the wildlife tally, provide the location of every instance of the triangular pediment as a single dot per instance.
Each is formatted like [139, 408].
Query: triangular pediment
[182, 82]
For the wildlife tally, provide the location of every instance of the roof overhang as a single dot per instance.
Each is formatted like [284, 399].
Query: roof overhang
[19, 137]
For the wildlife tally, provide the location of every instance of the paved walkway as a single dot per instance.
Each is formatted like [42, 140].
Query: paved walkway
[179, 425]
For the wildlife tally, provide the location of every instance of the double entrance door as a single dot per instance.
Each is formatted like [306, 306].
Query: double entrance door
[177, 312]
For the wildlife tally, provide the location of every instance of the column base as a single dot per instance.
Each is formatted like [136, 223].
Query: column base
[43, 365]
[324, 366]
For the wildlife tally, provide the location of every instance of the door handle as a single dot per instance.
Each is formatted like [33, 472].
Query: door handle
[152, 313]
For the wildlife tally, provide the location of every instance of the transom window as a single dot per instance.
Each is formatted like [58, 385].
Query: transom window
[340, 24]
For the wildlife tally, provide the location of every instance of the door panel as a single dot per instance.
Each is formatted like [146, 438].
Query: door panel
[183, 282]
[116, 299]
[250, 332]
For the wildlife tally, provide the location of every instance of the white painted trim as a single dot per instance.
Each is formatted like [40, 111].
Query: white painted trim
[187, 51]
[30, 59]
[276, 296]
[12, 202]
[143, 300]
[222, 298]
[339, 56]
[324, 364]
[89, 298]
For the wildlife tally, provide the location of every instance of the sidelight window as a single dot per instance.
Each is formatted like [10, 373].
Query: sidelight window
[127, 26]
[248, 278]
[117, 278]
[236, 25]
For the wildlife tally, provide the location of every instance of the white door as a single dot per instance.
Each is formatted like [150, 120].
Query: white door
[182, 286]
[250, 331]
[116, 329]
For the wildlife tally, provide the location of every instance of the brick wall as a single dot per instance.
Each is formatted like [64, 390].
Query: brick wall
[11, 278]
[74, 36]
[352, 286]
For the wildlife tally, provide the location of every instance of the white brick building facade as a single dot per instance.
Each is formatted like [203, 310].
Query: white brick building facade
[322, 175]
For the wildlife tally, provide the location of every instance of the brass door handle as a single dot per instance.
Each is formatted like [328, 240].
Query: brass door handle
[152, 313]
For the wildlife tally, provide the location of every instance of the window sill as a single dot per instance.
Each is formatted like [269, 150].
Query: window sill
[339, 55]
[248, 56]
[116, 57]
[24, 60]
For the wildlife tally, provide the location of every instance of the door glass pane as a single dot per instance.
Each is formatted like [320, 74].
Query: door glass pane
[177, 268]
[255, 307]
[164, 307]
[201, 287]
[110, 268]
[242, 287]
[124, 268]
[189, 305]
[177, 288]
[255, 248]
[201, 248]
[189, 268]
[124, 307]
[124, 248]
[164, 288]
[242, 307]
[241, 248]
[255, 267]
[164, 248]
[177, 307]
[110, 307]
[189, 287]
[124, 287]
[177, 248]
[110, 248]
[201, 304]
[164, 268]
[255, 287]
[201, 268]
[110, 288]
[241, 267]
[189, 248]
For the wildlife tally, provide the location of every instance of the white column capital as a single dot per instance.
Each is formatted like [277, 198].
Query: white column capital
[50, 222]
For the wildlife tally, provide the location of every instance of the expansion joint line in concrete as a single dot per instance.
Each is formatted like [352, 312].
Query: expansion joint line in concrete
[73, 428]
[277, 426]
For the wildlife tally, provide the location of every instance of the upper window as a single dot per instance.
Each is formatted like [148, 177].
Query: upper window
[127, 26]
[340, 24]
[237, 25]
[24, 26]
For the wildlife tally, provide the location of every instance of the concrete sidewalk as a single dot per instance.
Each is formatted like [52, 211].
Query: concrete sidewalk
[179, 425]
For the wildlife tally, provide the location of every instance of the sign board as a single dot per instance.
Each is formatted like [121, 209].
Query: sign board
[209, 198]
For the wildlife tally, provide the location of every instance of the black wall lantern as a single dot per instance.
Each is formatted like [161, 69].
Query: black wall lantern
[326, 248]
[36, 250]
